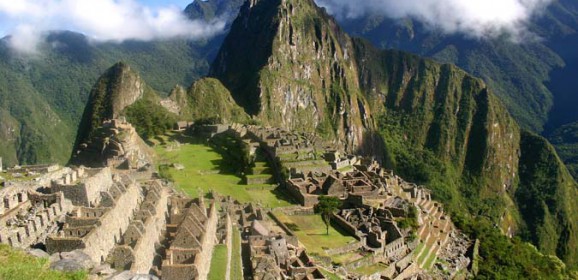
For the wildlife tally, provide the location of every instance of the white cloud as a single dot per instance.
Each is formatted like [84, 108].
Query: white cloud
[476, 18]
[99, 20]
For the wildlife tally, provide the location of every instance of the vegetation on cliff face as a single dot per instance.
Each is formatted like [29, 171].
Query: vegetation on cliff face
[208, 99]
[546, 198]
[445, 129]
[148, 117]
[535, 79]
[565, 139]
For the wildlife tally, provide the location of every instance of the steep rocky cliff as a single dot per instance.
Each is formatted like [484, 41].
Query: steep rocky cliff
[289, 64]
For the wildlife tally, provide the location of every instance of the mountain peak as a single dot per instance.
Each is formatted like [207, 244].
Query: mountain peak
[289, 64]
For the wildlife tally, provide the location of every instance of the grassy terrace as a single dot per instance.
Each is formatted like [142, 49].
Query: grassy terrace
[311, 232]
[236, 265]
[372, 269]
[346, 258]
[16, 265]
[218, 263]
[203, 172]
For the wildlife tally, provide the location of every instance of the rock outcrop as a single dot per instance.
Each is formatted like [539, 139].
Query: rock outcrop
[114, 144]
[289, 64]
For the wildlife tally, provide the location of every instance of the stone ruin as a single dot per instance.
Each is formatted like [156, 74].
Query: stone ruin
[28, 216]
[116, 213]
[113, 214]
[278, 256]
[115, 144]
[356, 187]
[376, 228]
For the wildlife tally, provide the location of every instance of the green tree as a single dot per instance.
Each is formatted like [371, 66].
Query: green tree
[326, 207]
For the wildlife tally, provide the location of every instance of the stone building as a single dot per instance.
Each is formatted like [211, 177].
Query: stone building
[136, 250]
[376, 228]
[356, 188]
[98, 227]
[192, 233]
[83, 186]
[278, 256]
[27, 216]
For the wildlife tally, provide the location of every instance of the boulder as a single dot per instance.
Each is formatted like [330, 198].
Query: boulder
[127, 275]
[72, 261]
[38, 253]
[103, 270]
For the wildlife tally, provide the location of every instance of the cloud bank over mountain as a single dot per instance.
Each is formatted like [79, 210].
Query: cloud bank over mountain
[101, 21]
[474, 18]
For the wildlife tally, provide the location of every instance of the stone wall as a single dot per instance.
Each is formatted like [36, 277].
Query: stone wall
[297, 211]
[191, 251]
[346, 226]
[87, 191]
[345, 249]
[12, 198]
[365, 261]
[408, 272]
[144, 250]
[229, 244]
[281, 224]
[100, 241]
[203, 260]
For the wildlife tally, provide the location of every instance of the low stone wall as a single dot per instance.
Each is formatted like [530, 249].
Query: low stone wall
[366, 261]
[261, 188]
[345, 225]
[297, 211]
[280, 224]
[259, 180]
[347, 248]
[229, 243]
[408, 272]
